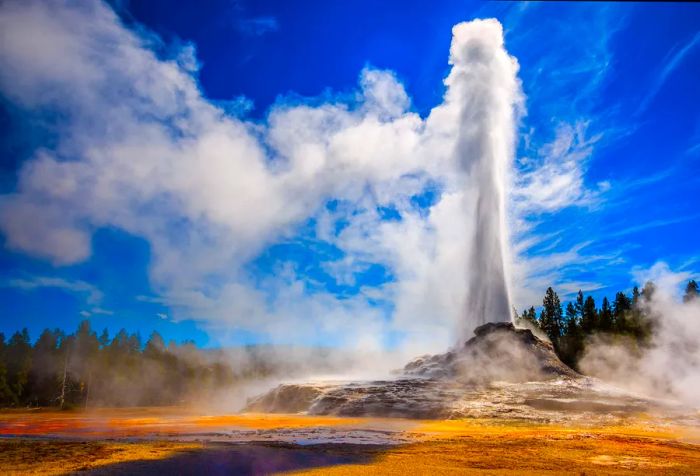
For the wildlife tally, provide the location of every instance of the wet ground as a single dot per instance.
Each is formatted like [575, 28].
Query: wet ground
[243, 459]
[181, 441]
[182, 424]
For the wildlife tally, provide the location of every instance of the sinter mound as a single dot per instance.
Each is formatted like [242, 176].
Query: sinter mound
[497, 352]
[501, 371]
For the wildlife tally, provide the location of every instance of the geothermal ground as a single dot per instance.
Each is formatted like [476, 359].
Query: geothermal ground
[501, 404]
[180, 441]
[502, 372]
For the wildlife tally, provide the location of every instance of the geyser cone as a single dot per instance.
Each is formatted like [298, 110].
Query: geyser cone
[488, 372]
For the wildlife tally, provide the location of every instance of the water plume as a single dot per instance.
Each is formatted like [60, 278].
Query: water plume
[484, 89]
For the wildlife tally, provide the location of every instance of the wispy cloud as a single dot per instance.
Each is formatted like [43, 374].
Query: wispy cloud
[671, 65]
[96, 310]
[693, 149]
[570, 123]
[92, 293]
[650, 225]
[555, 178]
[257, 26]
[535, 272]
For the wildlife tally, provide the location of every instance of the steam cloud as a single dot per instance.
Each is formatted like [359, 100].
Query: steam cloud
[139, 148]
[670, 368]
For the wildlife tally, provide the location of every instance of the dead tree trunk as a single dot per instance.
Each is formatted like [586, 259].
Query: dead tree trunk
[87, 391]
[62, 398]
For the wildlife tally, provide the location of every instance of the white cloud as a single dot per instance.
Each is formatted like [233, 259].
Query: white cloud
[674, 62]
[556, 179]
[92, 294]
[141, 149]
[101, 310]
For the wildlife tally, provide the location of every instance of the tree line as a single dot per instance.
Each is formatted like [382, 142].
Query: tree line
[84, 369]
[569, 328]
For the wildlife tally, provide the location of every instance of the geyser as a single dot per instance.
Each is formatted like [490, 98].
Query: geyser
[484, 91]
[500, 370]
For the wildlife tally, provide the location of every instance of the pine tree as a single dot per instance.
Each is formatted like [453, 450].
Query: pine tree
[551, 316]
[579, 304]
[622, 309]
[155, 345]
[19, 363]
[622, 304]
[104, 338]
[532, 314]
[87, 346]
[7, 396]
[523, 316]
[605, 317]
[46, 369]
[691, 291]
[648, 290]
[571, 342]
[529, 316]
[589, 316]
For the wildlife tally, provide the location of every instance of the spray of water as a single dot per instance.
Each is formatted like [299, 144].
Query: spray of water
[484, 89]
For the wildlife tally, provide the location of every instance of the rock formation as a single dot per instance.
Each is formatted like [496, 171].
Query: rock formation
[499, 370]
[497, 352]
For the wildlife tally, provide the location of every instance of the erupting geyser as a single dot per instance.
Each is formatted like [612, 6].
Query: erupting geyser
[483, 93]
[500, 370]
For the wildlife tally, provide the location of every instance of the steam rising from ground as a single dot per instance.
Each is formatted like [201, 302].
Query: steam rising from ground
[670, 367]
[139, 148]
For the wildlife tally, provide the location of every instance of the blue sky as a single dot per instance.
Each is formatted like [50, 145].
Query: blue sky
[604, 185]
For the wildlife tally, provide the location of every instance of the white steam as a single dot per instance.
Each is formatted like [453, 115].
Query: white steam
[139, 148]
[483, 88]
[670, 367]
